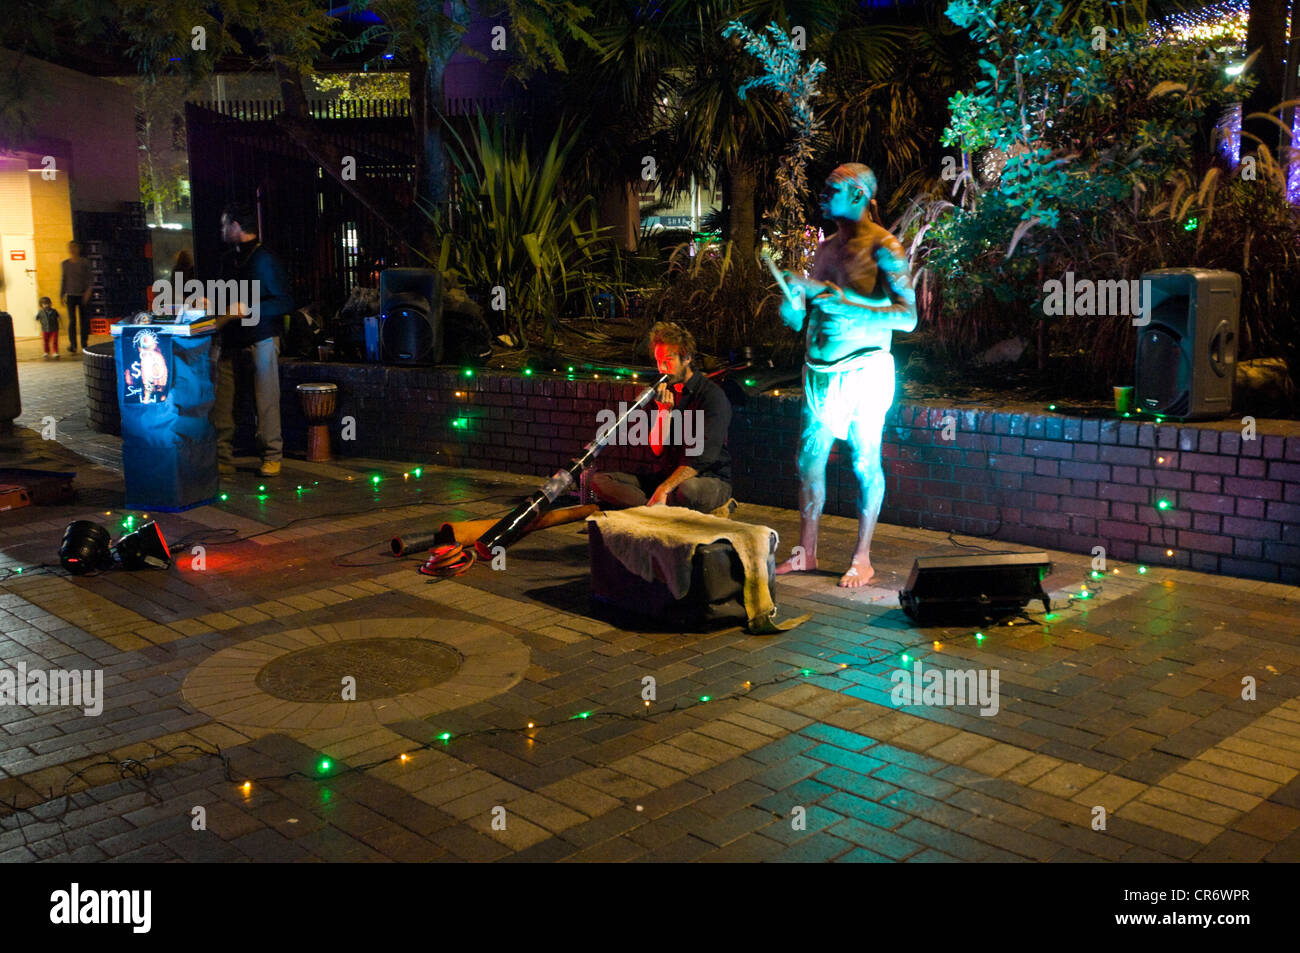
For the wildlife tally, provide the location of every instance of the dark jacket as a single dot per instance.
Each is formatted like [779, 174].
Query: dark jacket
[251, 261]
[49, 319]
[700, 393]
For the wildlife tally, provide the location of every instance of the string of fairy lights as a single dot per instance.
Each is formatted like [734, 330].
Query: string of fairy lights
[327, 769]
[1213, 23]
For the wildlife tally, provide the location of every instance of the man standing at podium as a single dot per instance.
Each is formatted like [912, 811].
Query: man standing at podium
[255, 327]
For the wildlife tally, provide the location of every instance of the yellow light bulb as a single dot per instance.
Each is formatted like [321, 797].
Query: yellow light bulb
[1169, 552]
[406, 757]
[248, 786]
[530, 724]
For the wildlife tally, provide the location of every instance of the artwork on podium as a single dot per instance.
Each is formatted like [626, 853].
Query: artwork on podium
[148, 367]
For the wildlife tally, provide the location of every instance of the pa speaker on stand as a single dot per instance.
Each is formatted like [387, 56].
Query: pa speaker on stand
[1186, 364]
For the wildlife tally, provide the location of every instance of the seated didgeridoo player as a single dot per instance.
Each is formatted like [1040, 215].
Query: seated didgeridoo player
[688, 436]
[858, 296]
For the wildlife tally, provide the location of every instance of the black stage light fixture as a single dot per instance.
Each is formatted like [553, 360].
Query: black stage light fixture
[971, 587]
[144, 547]
[85, 548]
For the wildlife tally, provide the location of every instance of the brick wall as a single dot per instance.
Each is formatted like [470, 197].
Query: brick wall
[1019, 474]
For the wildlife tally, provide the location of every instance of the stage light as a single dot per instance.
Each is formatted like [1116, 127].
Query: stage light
[145, 547]
[85, 547]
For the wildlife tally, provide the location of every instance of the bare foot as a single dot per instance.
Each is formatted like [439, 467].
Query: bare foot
[859, 574]
[800, 563]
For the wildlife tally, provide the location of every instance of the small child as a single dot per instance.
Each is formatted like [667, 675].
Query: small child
[49, 321]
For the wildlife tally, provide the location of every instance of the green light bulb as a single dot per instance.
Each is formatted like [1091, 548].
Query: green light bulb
[979, 636]
[906, 658]
[375, 479]
[325, 764]
[1142, 570]
[469, 372]
[705, 698]
[445, 736]
[418, 470]
[261, 488]
[1163, 505]
[224, 497]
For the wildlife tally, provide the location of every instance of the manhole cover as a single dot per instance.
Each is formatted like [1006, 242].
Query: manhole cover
[382, 668]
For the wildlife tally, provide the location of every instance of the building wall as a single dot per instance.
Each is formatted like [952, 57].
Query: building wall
[52, 229]
[96, 119]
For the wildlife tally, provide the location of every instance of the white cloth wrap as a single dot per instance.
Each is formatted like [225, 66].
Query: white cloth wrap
[860, 384]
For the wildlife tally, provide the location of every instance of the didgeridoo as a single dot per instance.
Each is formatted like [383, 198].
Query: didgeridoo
[469, 531]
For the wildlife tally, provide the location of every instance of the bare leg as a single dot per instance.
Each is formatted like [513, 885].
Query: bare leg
[814, 450]
[864, 438]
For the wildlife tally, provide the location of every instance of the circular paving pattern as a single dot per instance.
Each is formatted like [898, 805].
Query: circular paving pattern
[380, 668]
[404, 669]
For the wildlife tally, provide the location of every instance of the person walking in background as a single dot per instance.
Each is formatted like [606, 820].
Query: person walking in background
[48, 319]
[75, 292]
[257, 270]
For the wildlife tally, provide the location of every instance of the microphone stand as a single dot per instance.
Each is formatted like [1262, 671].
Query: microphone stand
[515, 524]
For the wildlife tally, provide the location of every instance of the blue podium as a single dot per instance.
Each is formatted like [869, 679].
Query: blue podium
[165, 393]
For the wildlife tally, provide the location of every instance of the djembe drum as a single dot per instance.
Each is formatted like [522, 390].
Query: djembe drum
[319, 402]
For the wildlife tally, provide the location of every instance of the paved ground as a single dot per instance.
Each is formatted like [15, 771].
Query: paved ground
[1124, 707]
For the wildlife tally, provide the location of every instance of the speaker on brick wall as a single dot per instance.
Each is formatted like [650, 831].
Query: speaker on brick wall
[1187, 351]
[410, 319]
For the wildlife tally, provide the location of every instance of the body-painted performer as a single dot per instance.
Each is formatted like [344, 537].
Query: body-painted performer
[859, 294]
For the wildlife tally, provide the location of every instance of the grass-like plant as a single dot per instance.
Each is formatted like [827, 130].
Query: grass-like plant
[516, 239]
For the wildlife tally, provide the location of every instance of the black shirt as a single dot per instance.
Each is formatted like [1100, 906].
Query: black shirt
[712, 460]
[250, 261]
